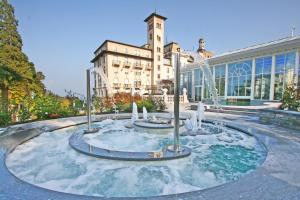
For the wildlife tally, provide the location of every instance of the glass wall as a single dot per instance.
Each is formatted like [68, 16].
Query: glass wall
[186, 82]
[220, 79]
[206, 87]
[262, 81]
[239, 78]
[298, 88]
[189, 85]
[198, 84]
[284, 73]
[206, 93]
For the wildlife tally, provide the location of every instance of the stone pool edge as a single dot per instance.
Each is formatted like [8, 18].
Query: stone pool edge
[16, 188]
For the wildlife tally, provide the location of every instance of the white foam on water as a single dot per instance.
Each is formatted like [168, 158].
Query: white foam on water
[112, 137]
[48, 161]
[2, 130]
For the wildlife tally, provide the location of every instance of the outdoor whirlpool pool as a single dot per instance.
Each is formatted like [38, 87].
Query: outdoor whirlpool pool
[219, 156]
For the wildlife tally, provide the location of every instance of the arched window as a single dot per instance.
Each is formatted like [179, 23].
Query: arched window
[239, 78]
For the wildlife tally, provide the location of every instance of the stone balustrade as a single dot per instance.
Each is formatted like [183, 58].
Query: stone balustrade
[289, 119]
[169, 98]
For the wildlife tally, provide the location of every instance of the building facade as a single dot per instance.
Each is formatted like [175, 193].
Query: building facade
[121, 67]
[257, 73]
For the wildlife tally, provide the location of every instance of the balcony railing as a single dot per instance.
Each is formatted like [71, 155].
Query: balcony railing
[126, 64]
[127, 86]
[138, 66]
[148, 67]
[116, 63]
[117, 85]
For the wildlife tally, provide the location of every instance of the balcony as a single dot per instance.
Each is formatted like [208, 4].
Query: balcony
[117, 86]
[148, 67]
[127, 86]
[138, 66]
[116, 63]
[126, 64]
[137, 85]
[148, 87]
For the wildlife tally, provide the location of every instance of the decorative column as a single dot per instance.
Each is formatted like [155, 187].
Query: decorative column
[193, 84]
[297, 67]
[272, 78]
[252, 78]
[202, 85]
[226, 81]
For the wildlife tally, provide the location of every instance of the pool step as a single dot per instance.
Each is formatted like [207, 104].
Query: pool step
[227, 110]
[235, 112]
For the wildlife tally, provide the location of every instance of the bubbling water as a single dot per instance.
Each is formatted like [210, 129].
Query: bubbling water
[135, 114]
[220, 156]
[145, 114]
[200, 112]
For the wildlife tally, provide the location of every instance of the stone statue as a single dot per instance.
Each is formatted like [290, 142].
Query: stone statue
[202, 51]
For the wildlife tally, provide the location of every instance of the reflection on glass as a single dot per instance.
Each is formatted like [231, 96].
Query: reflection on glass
[181, 85]
[186, 82]
[220, 79]
[239, 78]
[284, 73]
[189, 85]
[299, 78]
[198, 84]
[206, 87]
[262, 78]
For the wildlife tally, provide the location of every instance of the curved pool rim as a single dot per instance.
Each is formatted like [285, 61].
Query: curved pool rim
[77, 142]
[63, 195]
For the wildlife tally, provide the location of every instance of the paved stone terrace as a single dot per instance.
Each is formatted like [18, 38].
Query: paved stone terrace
[277, 178]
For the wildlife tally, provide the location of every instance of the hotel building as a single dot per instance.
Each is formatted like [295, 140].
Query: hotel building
[129, 68]
[257, 73]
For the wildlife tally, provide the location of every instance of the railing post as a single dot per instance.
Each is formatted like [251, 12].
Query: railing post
[88, 97]
[88, 103]
[176, 101]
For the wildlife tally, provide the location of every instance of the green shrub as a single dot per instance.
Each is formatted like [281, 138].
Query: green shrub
[126, 107]
[4, 118]
[147, 103]
[24, 114]
[123, 102]
[289, 99]
[77, 106]
[49, 106]
[103, 104]
[160, 105]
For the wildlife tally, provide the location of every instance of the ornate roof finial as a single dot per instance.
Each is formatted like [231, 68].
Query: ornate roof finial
[293, 31]
[201, 44]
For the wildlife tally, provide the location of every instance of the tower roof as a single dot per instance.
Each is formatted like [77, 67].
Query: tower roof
[155, 15]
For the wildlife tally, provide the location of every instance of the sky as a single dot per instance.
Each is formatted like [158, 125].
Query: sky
[60, 36]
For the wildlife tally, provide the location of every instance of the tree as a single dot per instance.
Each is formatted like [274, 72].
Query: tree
[7, 76]
[18, 76]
